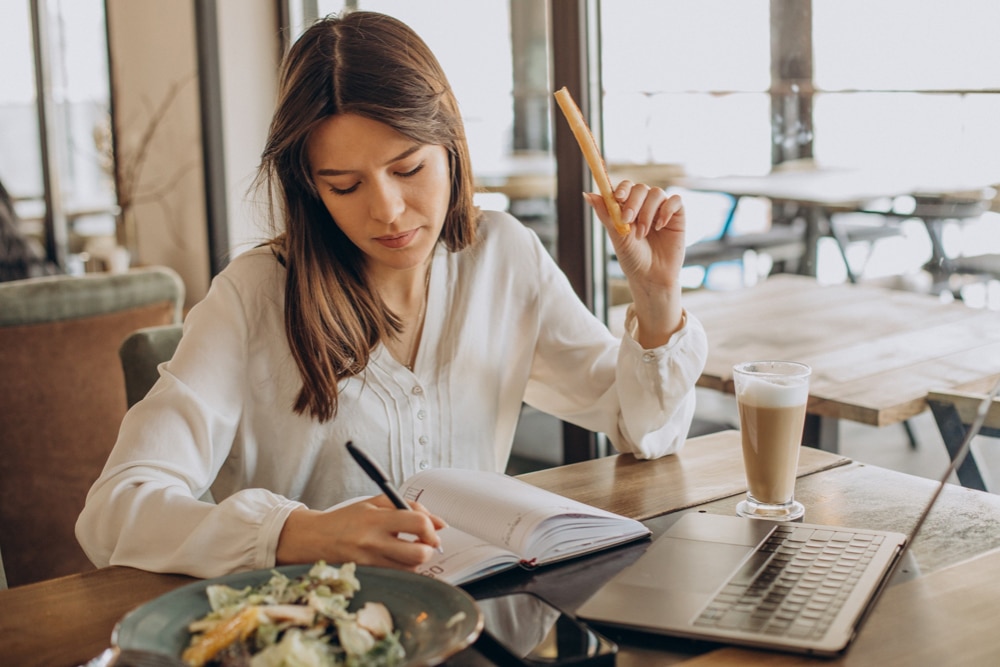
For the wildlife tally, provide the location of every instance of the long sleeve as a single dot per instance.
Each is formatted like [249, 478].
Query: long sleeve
[503, 327]
[643, 400]
[144, 510]
[656, 389]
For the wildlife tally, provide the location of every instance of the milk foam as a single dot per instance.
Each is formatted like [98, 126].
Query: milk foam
[774, 392]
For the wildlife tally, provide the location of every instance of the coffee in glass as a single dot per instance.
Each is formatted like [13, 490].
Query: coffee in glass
[771, 397]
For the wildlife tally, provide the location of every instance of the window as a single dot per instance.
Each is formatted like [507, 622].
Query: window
[687, 92]
[904, 83]
[67, 200]
[909, 85]
[687, 83]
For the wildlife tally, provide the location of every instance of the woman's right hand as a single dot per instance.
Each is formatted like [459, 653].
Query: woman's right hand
[366, 532]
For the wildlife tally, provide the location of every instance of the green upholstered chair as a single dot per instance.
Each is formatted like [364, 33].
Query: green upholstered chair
[141, 354]
[63, 398]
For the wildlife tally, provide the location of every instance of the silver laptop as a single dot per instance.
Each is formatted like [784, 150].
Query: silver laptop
[783, 586]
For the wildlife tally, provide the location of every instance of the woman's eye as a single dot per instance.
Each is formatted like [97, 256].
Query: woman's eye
[412, 172]
[339, 191]
[402, 174]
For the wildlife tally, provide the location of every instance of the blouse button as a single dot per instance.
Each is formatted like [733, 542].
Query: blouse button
[423, 440]
[421, 414]
[424, 465]
[418, 390]
[648, 357]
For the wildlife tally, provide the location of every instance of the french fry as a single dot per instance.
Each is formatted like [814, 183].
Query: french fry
[222, 635]
[592, 154]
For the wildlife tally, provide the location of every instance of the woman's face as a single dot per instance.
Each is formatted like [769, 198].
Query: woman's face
[387, 193]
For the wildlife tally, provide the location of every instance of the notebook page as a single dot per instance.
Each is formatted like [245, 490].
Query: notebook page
[494, 506]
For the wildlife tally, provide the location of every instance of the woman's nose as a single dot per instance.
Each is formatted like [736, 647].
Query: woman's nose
[386, 204]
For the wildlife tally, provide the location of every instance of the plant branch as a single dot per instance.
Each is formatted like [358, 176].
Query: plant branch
[130, 165]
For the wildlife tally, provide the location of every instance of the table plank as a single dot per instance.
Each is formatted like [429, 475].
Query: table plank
[846, 189]
[74, 609]
[945, 618]
[884, 399]
[709, 467]
[841, 323]
[875, 352]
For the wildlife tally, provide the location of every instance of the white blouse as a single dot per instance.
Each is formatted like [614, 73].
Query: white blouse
[503, 326]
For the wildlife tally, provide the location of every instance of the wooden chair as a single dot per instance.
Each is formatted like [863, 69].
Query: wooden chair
[954, 413]
[63, 399]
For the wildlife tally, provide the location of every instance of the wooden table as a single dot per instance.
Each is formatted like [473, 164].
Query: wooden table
[66, 621]
[875, 352]
[815, 195]
[835, 189]
[820, 193]
[522, 175]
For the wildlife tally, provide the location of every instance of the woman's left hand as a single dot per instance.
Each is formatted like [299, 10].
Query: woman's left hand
[651, 255]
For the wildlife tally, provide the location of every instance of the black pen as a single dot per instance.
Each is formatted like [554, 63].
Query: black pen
[372, 470]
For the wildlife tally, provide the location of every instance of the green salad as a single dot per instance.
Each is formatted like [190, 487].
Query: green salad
[300, 622]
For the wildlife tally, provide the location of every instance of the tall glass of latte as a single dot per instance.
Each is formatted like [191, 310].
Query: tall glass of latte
[771, 397]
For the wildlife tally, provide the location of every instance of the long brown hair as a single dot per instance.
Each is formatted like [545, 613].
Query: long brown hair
[375, 66]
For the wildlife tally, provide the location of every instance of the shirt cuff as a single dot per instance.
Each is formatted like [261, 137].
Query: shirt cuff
[270, 531]
[632, 331]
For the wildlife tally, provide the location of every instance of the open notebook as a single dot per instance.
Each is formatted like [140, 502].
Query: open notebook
[784, 586]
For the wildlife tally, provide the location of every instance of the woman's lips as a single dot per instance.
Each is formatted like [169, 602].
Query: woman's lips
[397, 240]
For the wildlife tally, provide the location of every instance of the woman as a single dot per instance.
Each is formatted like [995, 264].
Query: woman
[390, 312]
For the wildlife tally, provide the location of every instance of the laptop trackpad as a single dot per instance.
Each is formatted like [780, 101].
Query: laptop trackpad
[697, 554]
[685, 565]
[677, 575]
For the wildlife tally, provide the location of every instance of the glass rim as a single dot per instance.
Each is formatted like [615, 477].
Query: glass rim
[803, 370]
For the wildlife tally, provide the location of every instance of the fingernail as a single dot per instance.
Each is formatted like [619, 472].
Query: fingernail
[628, 215]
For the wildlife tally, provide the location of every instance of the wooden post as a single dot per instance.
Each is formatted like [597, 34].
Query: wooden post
[575, 247]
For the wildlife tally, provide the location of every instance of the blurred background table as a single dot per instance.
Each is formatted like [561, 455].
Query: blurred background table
[875, 352]
[801, 190]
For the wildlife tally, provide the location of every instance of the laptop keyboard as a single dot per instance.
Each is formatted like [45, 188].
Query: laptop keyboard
[794, 584]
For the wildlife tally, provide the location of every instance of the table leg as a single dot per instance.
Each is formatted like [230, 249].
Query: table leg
[815, 219]
[842, 240]
[938, 265]
[578, 444]
[821, 433]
